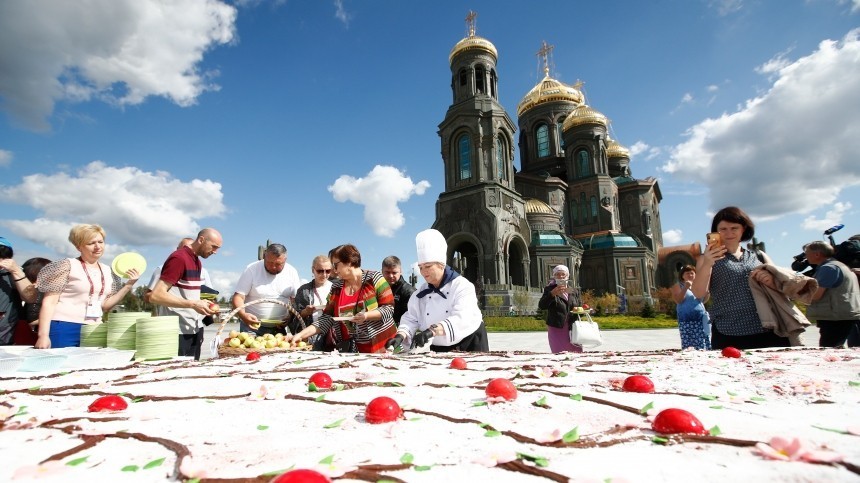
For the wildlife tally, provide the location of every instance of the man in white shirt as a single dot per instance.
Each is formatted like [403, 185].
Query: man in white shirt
[269, 278]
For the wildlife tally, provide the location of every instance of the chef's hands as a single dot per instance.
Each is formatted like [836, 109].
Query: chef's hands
[394, 344]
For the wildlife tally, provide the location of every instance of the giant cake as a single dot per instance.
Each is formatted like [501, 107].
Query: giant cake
[770, 415]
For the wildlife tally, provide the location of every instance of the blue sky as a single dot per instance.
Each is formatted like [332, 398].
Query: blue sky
[313, 123]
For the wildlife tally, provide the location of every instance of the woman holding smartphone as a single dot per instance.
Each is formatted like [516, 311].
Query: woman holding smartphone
[723, 271]
[557, 300]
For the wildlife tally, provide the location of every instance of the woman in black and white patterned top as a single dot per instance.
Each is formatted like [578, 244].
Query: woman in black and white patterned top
[723, 271]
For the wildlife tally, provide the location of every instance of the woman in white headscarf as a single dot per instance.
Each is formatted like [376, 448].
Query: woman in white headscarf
[444, 309]
[557, 299]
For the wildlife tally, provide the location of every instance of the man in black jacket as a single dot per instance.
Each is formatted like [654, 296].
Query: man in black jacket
[393, 273]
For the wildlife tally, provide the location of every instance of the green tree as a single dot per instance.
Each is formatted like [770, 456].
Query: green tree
[648, 311]
[521, 300]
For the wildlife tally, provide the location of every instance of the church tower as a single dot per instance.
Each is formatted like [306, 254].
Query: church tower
[480, 213]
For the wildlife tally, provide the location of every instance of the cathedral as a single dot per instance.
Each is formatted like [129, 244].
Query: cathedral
[574, 201]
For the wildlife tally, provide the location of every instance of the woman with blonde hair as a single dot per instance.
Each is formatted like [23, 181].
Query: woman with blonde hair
[77, 291]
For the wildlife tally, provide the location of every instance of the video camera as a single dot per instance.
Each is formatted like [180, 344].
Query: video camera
[800, 262]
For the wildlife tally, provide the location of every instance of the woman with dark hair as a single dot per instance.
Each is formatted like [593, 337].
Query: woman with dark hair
[723, 272]
[359, 313]
[25, 332]
[693, 322]
[14, 287]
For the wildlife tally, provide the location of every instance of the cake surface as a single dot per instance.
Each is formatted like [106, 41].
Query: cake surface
[230, 419]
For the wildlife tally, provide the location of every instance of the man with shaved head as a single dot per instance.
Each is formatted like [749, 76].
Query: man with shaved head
[178, 289]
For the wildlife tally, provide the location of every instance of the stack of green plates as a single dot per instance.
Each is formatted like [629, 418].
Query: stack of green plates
[121, 332]
[157, 337]
[94, 335]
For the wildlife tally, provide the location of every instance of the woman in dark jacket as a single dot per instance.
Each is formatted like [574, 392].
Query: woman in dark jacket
[558, 298]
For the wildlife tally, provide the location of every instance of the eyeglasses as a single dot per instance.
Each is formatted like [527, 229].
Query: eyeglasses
[318, 270]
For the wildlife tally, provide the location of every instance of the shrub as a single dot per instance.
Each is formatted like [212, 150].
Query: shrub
[648, 311]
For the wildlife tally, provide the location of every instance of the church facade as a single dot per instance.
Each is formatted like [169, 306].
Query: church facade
[574, 202]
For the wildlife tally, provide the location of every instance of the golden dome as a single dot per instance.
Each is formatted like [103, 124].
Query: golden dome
[584, 115]
[616, 150]
[549, 90]
[538, 206]
[473, 42]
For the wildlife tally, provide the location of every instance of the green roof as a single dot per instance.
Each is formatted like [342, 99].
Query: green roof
[609, 240]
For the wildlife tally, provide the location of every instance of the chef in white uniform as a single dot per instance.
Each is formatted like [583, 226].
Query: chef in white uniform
[444, 310]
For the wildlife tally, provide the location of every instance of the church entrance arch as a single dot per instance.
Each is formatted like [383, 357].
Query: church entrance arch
[517, 254]
[464, 257]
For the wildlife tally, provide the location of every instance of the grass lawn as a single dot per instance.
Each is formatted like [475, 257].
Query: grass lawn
[528, 323]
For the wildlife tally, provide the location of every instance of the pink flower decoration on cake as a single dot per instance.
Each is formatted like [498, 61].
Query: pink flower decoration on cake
[192, 469]
[7, 412]
[332, 470]
[496, 458]
[44, 470]
[265, 393]
[550, 437]
[831, 358]
[793, 449]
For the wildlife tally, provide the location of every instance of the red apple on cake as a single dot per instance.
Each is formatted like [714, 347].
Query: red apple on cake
[501, 388]
[108, 403]
[673, 421]
[731, 352]
[458, 363]
[301, 476]
[321, 380]
[638, 383]
[382, 410]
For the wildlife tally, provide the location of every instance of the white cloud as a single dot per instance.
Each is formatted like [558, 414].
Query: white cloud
[341, 13]
[135, 207]
[775, 65]
[117, 51]
[792, 150]
[832, 217]
[5, 158]
[640, 147]
[672, 237]
[714, 87]
[224, 282]
[725, 7]
[380, 192]
[686, 98]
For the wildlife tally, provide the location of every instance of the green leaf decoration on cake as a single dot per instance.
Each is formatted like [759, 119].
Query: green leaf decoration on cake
[278, 472]
[76, 461]
[34, 388]
[320, 398]
[422, 468]
[262, 427]
[492, 434]
[396, 384]
[153, 464]
[418, 418]
[757, 399]
[707, 397]
[312, 387]
[298, 361]
[561, 374]
[834, 430]
[21, 411]
[571, 436]
[538, 460]
[483, 425]
[479, 403]
[407, 458]
[137, 399]
[131, 468]
[576, 397]
[334, 424]
[715, 431]
[730, 393]
[339, 387]
[659, 440]
[193, 480]
[540, 402]
[716, 407]
[647, 408]
[854, 383]
[328, 459]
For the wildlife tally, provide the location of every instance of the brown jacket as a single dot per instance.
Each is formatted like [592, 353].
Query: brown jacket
[775, 307]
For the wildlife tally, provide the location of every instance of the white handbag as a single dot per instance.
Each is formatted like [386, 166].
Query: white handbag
[584, 332]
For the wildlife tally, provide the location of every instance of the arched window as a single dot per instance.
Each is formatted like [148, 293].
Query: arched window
[574, 212]
[594, 207]
[493, 82]
[479, 80]
[583, 205]
[560, 133]
[464, 148]
[500, 157]
[582, 163]
[542, 135]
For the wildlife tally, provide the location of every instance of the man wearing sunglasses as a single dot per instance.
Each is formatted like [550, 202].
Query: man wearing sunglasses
[269, 278]
[312, 296]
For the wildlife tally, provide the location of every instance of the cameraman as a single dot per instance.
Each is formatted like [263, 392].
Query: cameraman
[836, 304]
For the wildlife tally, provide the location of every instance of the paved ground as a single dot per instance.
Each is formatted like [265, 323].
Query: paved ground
[613, 340]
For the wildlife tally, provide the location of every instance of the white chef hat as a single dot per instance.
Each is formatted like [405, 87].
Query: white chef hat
[559, 268]
[431, 246]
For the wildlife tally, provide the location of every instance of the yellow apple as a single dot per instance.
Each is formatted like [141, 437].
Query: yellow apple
[235, 342]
